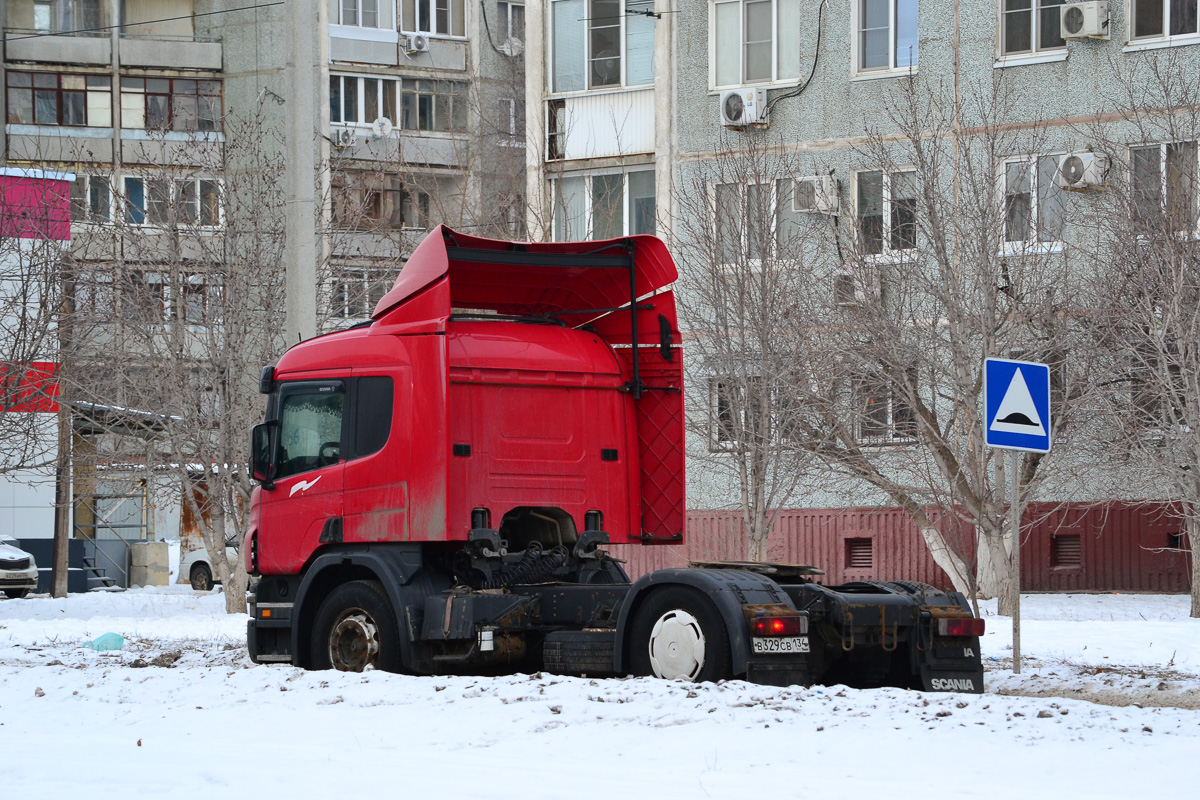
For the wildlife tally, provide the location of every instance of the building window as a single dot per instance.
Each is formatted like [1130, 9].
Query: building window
[1030, 26]
[174, 104]
[604, 206]
[745, 222]
[48, 98]
[755, 41]
[64, 16]
[378, 202]
[887, 35]
[601, 43]
[860, 554]
[427, 105]
[511, 122]
[1066, 551]
[887, 211]
[884, 415]
[512, 21]
[737, 412]
[91, 199]
[356, 292]
[361, 101]
[1161, 19]
[1033, 202]
[166, 202]
[441, 17]
[1163, 182]
[1176, 540]
[510, 215]
[359, 13]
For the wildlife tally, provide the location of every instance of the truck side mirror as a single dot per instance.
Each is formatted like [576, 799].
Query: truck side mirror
[263, 441]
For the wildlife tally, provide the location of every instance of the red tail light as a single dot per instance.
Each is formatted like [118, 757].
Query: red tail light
[960, 627]
[779, 626]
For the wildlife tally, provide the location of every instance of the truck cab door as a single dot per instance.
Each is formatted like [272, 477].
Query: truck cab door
[308, 483]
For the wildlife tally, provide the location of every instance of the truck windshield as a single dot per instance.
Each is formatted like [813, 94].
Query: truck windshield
[310, 431]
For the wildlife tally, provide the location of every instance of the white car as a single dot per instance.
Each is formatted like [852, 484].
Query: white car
[18, 570]
[195, 567]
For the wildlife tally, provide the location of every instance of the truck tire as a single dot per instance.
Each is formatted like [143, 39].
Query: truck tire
[678, 634]
[201, 577]
[355, 628]
[16, 594]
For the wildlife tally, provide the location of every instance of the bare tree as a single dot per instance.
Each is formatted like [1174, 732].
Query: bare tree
[745, 285]
[178, 305]
[1148, 289]
[882, 316]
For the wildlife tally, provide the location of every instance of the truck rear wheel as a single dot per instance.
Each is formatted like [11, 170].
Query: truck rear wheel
[356, 628]
[678, 634]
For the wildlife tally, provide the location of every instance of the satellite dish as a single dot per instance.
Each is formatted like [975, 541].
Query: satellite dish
[512, 46]
[381, 127]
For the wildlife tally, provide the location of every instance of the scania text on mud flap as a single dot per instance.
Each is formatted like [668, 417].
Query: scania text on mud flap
[437, 487]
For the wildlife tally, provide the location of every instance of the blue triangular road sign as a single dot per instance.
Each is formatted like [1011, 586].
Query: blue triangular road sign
[1017, 404]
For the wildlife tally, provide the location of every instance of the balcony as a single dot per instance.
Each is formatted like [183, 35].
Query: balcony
[171, 52]
[602, 124]
[92, 49]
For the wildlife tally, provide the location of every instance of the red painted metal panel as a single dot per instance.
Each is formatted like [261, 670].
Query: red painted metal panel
[1123, 546]
[35, 206]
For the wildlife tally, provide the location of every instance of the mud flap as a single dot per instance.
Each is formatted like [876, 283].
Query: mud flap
[952, 668]
[791, 671]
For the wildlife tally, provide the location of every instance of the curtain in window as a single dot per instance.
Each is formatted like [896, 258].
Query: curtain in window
[727, 30]
[787, 33]
[639, 43]
[569, 45]
[570, 210]
[641, 202]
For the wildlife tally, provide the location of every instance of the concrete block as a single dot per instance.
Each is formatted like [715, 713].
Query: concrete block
[149, 564]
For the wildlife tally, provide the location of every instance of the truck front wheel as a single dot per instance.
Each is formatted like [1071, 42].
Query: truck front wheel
[356, 628]
[679, 635]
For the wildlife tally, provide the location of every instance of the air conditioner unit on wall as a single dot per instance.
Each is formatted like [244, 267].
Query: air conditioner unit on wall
[343, 137]
[853, 289]
[743, 107]
[1082, 171]
[816, 194]
[1084, 20]
[415, 43]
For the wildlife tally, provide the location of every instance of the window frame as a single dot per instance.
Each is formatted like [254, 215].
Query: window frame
[1034, 244]
[360, 99]
[380, 22]
[627, 208]
[1164, 177]
[713, 35]
[887, 252]
[623, 55]
[864, 389]
[127, 88]
[59, 91]
[411, 12]
[1165, 36]
[358, 289]
[1036, 51]
[743, 228]
[124, 209]
[857, 17]
[505, 9]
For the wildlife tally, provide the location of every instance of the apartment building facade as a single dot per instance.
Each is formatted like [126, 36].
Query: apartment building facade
[417, 119]
[820, 84]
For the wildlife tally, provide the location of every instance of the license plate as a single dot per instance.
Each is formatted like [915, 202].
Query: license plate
[13, 576]
[779, 644]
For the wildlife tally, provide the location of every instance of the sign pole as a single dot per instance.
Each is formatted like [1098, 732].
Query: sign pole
[1015, 512]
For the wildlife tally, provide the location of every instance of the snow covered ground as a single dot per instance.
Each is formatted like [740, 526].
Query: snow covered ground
[1108, 705]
